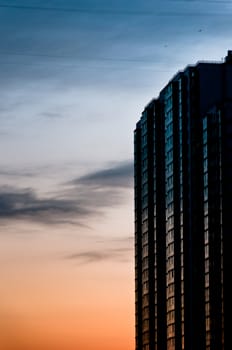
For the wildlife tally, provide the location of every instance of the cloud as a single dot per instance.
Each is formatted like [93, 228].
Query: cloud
[25, 204]
[105, 188]
[4, 133]
[115, 249]
[120, 175]
[17, 173]
[52, 115]
[93, 256]
[119, 240]
[74, 202]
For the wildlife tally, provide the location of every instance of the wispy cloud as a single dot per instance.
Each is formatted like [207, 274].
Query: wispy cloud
[119, 240]
[120, 175]
[103, 188]
[25, 204]
[114, 249]
[74, 202]
[17, 173]
[52, 115]
[93, 256]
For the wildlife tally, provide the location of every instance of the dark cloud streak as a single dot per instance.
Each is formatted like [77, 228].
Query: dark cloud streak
[116, 11]
[93, 256]
[120, 175]
[85, 197]
[25, 204]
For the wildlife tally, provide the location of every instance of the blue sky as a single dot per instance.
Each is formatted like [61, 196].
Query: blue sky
[75, 77]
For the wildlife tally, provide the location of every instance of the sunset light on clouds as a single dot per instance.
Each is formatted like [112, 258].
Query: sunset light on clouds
[75, 77]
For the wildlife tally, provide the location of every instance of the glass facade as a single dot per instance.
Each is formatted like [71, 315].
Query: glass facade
[150, 231]
[169, 208]
[183, 171]
[213, 229]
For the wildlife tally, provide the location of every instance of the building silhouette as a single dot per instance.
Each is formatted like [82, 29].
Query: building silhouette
[183, 212]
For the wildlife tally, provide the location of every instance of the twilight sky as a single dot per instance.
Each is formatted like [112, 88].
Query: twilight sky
[74, 79]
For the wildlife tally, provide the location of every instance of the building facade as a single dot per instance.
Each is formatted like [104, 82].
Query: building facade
[183, 211]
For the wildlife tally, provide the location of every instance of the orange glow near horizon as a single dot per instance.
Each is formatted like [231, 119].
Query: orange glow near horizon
[50, 302]
[61, 332]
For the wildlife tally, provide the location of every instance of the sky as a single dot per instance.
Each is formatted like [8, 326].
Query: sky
[74, 79]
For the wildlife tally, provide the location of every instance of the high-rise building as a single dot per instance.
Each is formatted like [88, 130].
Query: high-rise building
[183, 212]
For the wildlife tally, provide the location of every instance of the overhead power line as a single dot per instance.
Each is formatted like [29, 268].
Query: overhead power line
[84, 62]
[124, 12]
[78, 57]
[87, 67]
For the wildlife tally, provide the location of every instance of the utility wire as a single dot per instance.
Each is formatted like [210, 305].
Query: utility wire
[121, 12]
[82, 61]
[78, 57]
[86, 67]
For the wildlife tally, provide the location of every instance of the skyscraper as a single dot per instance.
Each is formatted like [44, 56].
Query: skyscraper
[183, 212]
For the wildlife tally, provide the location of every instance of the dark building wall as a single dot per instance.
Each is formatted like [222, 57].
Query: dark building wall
[138, 235]
[211, 85]
[160, 228]
[212, 173]
[183, 201]
[226, 218]
[193, 229]
[150, 239]
[227, 82]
